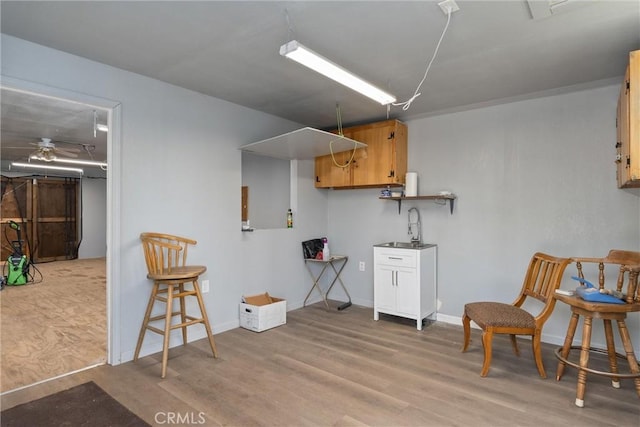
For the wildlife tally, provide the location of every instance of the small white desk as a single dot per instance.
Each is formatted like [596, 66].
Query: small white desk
[334, 261]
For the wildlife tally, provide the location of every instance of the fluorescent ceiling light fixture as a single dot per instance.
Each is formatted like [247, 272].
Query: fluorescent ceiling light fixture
[73, 161]
[307, 57]
[102, 128]
[48, 167]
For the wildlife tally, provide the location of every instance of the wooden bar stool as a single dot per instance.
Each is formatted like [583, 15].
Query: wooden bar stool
[590, 310]
[166, 258]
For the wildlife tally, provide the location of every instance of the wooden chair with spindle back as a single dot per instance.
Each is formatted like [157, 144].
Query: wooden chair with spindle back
[166, 259]
[543, 277]
[626, 264]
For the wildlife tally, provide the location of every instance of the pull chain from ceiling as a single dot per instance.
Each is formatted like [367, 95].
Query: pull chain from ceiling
[355, 144]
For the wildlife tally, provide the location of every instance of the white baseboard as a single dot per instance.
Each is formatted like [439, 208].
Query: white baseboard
[546, 338]
[193, 334]
[199, 333]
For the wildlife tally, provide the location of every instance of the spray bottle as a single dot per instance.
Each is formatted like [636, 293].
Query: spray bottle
[289, 219]
[325, 250]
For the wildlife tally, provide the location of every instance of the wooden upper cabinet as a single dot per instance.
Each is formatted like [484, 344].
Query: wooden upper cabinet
[328, 174]
[383, 162]
[628, 126]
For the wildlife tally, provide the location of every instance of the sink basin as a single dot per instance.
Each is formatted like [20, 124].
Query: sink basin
[404, 245]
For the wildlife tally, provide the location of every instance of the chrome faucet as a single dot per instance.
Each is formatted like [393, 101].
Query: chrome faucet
[414, 239]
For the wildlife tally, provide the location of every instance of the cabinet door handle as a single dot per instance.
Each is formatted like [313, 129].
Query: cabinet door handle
[395, 257]
[397, 278]
[392, 279]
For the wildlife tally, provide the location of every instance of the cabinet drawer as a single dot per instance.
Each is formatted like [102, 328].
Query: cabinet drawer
[396, 257]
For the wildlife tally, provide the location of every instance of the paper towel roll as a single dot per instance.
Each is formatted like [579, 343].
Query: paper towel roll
[411, 184]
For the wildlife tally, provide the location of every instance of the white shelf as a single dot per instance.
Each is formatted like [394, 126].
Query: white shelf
[302, 144]
[445, 197]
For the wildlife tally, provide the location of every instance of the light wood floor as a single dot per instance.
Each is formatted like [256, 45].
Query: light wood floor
[331, 368]
[56, 326]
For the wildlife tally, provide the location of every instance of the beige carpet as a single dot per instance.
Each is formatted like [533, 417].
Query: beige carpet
[56, 326]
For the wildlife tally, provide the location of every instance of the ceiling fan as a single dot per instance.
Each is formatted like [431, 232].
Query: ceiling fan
[48, 151]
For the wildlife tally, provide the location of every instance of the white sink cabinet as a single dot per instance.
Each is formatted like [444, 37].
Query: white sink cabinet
[405, 282]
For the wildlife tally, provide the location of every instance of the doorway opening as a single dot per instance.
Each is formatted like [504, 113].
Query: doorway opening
[64, 323]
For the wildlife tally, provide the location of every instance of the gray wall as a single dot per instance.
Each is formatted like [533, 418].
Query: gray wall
[268, 180]
[94, 218]
[536, 175]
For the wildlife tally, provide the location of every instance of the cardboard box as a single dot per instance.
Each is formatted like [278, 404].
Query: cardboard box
[262, 299]
[262, 312]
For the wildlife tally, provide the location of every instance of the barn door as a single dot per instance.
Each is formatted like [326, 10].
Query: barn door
[49, 213]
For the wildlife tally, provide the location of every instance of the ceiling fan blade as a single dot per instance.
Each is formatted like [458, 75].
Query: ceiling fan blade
[74, 146]
[71, 150]
[63, 152]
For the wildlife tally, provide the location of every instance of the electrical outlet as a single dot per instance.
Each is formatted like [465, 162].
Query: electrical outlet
[205, 286]
[361, 265]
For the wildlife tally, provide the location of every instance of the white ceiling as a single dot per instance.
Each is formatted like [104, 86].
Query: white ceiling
[27, 118]
[493, 50]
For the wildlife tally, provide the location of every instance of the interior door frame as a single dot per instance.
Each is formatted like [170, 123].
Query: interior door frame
[114, 181]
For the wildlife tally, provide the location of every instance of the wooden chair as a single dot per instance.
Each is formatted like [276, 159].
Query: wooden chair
[542, 279]
[627, 266]
[166, 258]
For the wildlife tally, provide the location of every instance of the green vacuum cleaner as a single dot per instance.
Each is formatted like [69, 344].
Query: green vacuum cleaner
[17, 263]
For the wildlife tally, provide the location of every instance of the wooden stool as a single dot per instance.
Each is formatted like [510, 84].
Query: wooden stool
[607, 312]
[166, 257]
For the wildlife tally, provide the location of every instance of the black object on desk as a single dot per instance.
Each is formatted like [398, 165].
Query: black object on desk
[310, 248]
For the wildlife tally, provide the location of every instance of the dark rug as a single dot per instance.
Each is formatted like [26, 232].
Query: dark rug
[83, 405]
